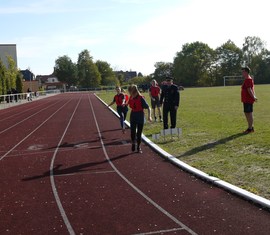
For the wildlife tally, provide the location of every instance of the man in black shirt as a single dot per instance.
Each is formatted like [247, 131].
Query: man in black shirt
[170, 99]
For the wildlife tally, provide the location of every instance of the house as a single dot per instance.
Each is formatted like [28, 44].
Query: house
[127, 75]
[27, 75]
[50, 82]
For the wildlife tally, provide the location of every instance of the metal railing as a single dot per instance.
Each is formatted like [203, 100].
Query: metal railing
[9, 100]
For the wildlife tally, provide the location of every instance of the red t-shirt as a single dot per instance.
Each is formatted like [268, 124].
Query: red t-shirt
[119, 99]
[137, 104]
[245, 96]
[154, 91]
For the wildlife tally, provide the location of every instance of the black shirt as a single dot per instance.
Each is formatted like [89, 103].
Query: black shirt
[170, 96]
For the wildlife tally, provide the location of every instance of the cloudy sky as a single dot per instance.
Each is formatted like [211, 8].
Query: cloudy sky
[128, 34]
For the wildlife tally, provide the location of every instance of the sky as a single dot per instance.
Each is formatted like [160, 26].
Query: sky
[128, 34]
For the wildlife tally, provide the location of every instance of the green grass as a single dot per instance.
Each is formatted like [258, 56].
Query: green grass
[212, 121]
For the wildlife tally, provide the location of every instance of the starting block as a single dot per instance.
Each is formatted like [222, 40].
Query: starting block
[165, 132]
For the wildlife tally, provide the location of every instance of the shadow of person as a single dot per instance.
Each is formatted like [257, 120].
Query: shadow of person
[73, 169]
[210, 145]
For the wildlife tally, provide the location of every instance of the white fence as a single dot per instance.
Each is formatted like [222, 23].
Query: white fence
[9, 100]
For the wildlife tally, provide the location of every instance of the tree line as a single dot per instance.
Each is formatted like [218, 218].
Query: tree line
[196, 64]
[199, 65]
[10, 78]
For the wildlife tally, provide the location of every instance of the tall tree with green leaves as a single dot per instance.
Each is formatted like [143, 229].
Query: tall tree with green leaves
[252, 47]
[192, 65]
[11, 74]
[261, 69]
[228, 61]
[2, 78]
[89, 76]
[163, 70]
[108, 77]
[66, 71]
[19, 83]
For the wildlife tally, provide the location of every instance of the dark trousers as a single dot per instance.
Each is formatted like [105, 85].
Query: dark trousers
[173, 112]
[122, 111]
[136, 132]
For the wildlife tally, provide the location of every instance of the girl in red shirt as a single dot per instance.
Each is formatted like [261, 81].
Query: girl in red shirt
[137, 103]
[121, 102]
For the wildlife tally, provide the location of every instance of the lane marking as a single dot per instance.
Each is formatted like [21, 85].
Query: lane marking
[86, 173]
[160, 231]
[5, 130]
[20, 113]
[54, 189]
[131, 184]
[3, 156]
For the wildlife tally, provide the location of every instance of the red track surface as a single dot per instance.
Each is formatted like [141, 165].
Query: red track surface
[58, 176]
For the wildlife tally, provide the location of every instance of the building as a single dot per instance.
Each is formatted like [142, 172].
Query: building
[8, 50]
[50, 82]
[127, 75]
[27, 75]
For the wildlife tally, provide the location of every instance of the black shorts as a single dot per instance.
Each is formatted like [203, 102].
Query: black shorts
[155, 103]
[248, 108]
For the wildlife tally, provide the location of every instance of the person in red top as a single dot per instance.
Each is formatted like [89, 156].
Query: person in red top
[121, 103]
[154, 93]
[248, 97]
[137, 103]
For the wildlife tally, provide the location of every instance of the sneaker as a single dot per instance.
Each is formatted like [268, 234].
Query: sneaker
[247, 131]
[139, 150]
[155, 119]
[161, 120]
[133, 147]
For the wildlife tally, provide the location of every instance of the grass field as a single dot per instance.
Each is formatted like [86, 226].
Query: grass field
[212, 122]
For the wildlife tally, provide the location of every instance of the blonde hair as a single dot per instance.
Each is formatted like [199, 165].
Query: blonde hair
[133, 90]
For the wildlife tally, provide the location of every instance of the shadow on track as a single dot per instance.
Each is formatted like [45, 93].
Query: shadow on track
[74, 169]
[210, 145]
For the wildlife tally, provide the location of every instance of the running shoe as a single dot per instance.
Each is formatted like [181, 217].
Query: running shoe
[247, 131]
[139, 150]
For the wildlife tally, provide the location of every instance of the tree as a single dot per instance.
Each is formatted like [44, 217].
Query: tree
[66, 71]
[19, 83]
[228, 61]
[253, 46]
[89, 76]
[163, 70]
[140, 80]
[108, 77]
[11, 74]
[2, 78]
[261, 72]
[193, 65]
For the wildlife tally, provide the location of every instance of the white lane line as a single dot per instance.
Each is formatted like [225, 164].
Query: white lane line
[132, 185]
[20, 113]
[160, 232]
[54, 189]
[3, 156]
[86, 173]
[1, 132]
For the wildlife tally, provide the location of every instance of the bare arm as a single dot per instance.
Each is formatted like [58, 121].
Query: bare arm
[149, 115]
[252, 94]
[111, 103]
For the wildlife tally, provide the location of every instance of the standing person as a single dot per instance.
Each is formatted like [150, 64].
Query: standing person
[121, 107]
[248, 97]
[137, 103]
[154, 93]
[170, 99]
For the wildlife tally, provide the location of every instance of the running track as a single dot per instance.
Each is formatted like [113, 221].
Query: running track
[66, 168]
